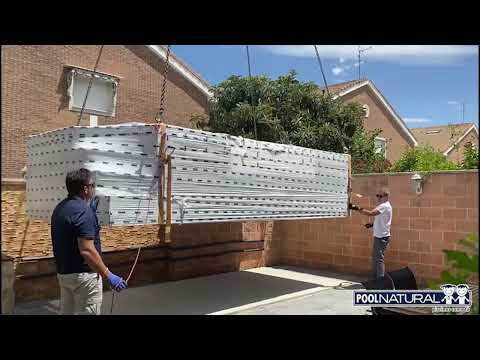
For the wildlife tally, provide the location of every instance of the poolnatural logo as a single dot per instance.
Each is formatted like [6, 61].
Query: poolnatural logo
[449, 298]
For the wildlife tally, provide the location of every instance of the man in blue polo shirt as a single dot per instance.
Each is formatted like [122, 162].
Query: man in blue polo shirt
[76, 246]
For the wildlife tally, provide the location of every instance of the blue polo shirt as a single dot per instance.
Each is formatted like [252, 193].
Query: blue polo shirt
[72, 218]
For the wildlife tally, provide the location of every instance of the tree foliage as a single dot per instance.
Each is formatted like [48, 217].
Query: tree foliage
[289, 111]
[462, 266]
[470, 157]
[423, 158]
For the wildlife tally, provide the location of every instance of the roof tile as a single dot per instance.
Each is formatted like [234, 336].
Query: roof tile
[335, 89]
[440, 137]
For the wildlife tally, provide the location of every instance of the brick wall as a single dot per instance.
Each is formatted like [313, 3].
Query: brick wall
[35, 278]
[422, 226]
[195, 249]
[8, 278]
[23, 238]
[34, 92]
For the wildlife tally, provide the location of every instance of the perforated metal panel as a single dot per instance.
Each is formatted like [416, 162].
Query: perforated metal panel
[215, 177]
[124, 162]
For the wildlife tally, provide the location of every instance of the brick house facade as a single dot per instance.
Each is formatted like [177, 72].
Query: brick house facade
[35, 97]
[395, 135]
[449, 139]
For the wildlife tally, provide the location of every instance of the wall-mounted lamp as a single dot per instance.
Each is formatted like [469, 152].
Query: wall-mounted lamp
[417, 182]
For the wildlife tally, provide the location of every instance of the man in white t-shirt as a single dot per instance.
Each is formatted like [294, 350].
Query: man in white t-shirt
[381, 229]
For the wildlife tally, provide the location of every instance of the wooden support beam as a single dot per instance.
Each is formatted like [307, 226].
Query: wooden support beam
[161, 183]
[349, 189]
[169, 199]
[161, 164]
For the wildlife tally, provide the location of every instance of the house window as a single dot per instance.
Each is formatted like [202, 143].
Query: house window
[469, 143]
[381, 146]
[102, 97]
[366, 110]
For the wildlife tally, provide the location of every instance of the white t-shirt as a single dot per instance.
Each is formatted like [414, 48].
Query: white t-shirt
[381, 225]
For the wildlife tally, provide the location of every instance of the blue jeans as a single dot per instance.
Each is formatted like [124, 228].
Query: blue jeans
[378, 256]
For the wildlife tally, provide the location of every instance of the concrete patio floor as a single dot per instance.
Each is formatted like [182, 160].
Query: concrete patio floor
[262, 291]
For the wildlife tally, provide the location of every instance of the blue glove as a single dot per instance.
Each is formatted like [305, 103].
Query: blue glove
[116, 282]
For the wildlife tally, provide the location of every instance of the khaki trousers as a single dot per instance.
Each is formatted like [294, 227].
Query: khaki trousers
[80, 293]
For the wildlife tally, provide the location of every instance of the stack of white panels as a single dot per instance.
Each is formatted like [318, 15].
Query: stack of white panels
[123, 159]
[215, 177]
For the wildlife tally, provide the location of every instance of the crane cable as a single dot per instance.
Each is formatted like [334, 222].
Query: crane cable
[158, 120]
[321, 69]
[250, 88]
[159, 116]
[90, 85]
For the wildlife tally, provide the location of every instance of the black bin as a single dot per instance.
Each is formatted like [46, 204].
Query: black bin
[403, 279]
[383, 283]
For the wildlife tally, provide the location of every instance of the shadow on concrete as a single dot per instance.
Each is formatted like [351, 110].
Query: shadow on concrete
[195, 296]
[202, 295]
[209, 294]
[41, 307]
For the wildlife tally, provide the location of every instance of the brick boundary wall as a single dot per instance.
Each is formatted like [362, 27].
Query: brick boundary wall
[35, 278]
[422, 226]
[195, 250]
[8, 278]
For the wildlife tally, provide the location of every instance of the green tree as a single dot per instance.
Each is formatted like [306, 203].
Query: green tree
[462, 266]
[470, 157]
[423, 158]
[288, 111]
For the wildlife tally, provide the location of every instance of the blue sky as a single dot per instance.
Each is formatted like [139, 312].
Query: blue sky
[424, 83]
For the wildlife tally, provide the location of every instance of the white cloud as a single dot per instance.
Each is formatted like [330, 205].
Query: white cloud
[406, 54]
[453, 103]
[416, 120]
[337, 70]
[341, 68]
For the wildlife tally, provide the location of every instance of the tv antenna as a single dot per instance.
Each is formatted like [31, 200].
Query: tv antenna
[463, 103]
[360, 52]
